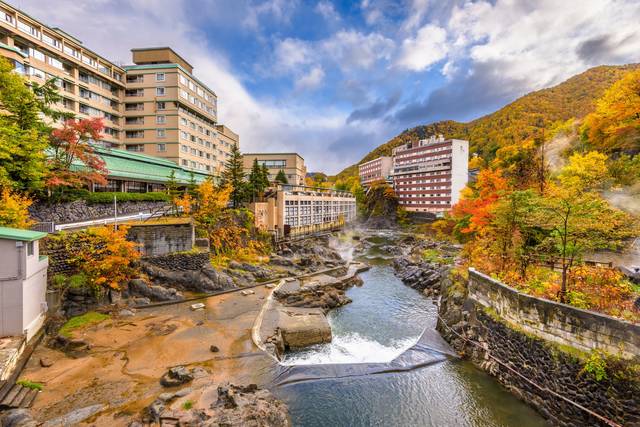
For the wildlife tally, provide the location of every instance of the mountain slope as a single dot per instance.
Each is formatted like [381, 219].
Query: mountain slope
[518, 121]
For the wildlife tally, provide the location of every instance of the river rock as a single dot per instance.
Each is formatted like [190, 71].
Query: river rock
[17, 418]
[75, 417]
[142, 288]
[247, 406]
[176, 376]
[301, 329]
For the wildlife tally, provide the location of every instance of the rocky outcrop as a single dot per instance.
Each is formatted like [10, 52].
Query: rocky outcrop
[423, 276]
[205, 280]
[316, 294]
[79, 300]
[80, 210]
[142, 288]
[307, 255]
[241, 406]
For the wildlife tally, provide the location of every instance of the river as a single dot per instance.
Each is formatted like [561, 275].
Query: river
[387, 366]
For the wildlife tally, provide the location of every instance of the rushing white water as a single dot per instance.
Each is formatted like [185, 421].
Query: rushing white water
[350, 348]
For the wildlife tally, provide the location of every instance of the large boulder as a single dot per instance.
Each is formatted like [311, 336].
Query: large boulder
[141, 288]
[176, 376]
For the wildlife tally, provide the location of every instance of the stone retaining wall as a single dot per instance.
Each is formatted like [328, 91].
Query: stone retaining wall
[555, 322]
[180, 261]
[79, 210]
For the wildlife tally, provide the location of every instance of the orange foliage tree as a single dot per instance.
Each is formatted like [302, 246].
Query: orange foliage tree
[473, 211]
[104, 255]
[74, 162]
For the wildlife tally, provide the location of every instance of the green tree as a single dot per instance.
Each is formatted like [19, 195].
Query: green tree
[265, 174]
[281, 177]
[23, 133]
[233, 176]
[257, 181]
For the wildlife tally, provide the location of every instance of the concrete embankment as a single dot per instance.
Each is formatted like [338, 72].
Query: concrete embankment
[293, 315]
[574, 366]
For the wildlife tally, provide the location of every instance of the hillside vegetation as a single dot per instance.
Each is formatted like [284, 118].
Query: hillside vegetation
[519, 121]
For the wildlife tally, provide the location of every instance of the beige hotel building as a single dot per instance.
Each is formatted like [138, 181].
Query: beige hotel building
[155, 107]
[291, 163]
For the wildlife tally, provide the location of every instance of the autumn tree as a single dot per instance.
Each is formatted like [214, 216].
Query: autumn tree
[576, 222]
[615, 124]
[14, 209]
[474, 210]
[73, 161]
[233, 176]
[104, 255]
[585, 172]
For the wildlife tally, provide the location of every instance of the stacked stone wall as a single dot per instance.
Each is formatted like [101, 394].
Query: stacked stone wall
[162, 239]
[80, 210]
[180, 261]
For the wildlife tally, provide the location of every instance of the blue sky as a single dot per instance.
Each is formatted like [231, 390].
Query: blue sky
[334, 79]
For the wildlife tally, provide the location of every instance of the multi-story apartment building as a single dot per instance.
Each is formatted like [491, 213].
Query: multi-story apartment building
[90, 85]
[291, 210]
[155, 107]
[226, 140]
[168, 112]
[291, 163]
[375, 170]
[428, 175]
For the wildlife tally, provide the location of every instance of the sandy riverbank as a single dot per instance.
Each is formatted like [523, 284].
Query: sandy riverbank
[130, 354]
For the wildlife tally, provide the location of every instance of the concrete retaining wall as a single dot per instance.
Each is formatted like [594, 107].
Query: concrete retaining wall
[162, 239]
[555, 322]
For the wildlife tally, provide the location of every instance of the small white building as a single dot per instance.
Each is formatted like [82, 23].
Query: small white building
[23, 283]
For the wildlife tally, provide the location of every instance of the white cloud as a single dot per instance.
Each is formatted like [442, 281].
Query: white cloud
[545, 42]
[278, 10]
[428, 47]
[326, 9]
[311, 80]
[292, 53]
[353, 49]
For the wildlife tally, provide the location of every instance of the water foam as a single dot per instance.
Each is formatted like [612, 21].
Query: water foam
[350, 348]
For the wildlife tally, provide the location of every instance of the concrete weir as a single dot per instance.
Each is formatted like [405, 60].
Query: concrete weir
[279, 326]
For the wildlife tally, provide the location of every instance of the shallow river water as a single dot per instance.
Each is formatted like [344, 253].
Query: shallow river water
[386, 366]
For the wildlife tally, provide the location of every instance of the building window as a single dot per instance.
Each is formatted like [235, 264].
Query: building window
[160, 133]
[161, 105]
[159, 77]
[185, 162]
[134, 120]
[161, 148]
[134, 134]
[30, 249]
[28, 29]
[184, 148]
[161, 120]
[160, 91]
[135, 147]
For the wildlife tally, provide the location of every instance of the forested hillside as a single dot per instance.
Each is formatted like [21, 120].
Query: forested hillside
[519, 121]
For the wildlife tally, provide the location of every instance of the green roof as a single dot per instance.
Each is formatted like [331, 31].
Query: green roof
[140, 167]
[20, 234]
[13, 49]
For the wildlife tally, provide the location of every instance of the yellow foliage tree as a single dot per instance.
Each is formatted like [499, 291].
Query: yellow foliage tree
[615, 125]
[14, 209]
[584, 172]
